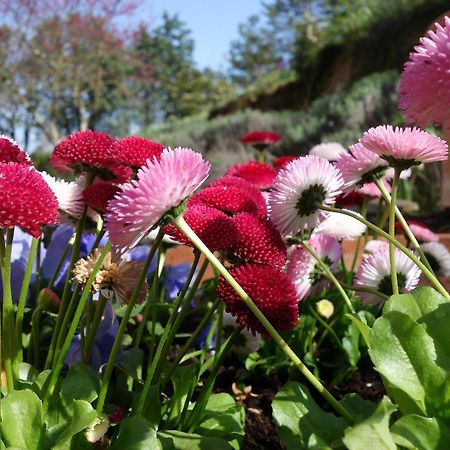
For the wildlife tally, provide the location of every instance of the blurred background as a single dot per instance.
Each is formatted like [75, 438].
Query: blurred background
[201, 74]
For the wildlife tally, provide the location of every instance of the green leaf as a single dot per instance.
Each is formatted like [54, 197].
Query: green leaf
[81, 383]
[41, 380]
[21, 425]
[421, 433]
[178, 440]
[372, 433]
[131, 362]
[223, 418]
[405, 356]
[297, 417]
[350, 343]
[359, 408]
[138, 434]
[82, 417]
[361, 325]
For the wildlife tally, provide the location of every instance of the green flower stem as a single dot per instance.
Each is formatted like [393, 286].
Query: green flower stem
[33, 348]
[185, 229]
[394, 280]
[38, 266]
[71, 333]
[261, 155]
[401, 219]
[8, 310]
[363, 213]
[66, 292]
[23, 296]
[429, 275]
[124, 323]
[366, 289]
[91, 333]
[195, 334]
[151, 301]
[330, 275]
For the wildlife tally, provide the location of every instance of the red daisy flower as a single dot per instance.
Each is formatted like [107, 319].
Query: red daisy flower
[89, 151]
[11, 152]
[98, 195]
[26, 199]
[134, 151]
[214, 228]
[250, 190]
[259, 174]
[283, 161]
[229, 200]
[257, 138]
[270, 289]
[258, 241]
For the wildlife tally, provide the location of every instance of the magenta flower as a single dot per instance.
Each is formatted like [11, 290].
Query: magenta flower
[11, 152]
[257, 138]
[404, 147]
[160, 187]
[424, 92]
[299, 190]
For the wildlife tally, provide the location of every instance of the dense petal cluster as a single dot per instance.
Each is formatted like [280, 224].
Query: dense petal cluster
[420, 231]
[438, 256]
[303, 270]
[261, 138]
[258, 241]
[409, 146]
[360, 166]
[26, 199]
[69, 195]
[98, 195]
[160, 186]
[134, 151]
[375, 245]
[271, 291]
[257, 173]
[306, 183]
[424, 92]
[213, 227]
[11, 152]
[375, 273]
[328, 150]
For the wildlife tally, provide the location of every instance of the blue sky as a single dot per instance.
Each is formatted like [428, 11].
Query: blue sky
[214, 24]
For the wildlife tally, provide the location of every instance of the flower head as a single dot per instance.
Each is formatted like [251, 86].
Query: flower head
[328, 150]
[270, 289]
[98, 195]
[11, 152]
[372, 191]
[213, 227]
[283, 161]
[341, 226]
[438, 256]
[160, 187]
[360, 166]
[420, 231]
[257, 138]
[304, 271]
[424, 92]
[258, 241]
[375, 273]
[134, 151]
[257, 173]
[299, 190]
[26, 199]
[376, 245]
[117, 278]
[404, 147]
[69, 196]
[247, 342]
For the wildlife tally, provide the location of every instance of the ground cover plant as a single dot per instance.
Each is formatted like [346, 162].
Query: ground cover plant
[106, 346]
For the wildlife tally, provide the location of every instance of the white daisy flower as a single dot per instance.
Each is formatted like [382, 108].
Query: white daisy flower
[341, 226]
[328, 150]
[438, 256]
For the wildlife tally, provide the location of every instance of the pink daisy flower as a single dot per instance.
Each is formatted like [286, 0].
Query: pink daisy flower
[26, 199]
[375, 245]
[371, 189]
[424, 91]
[420, 231]
[360, 166]
[257, 173]
[303, 270]
[438, 256]
[271, 291]
[328, 150]
[375, 273]
[160, 187]
[404, 147]
[306, 183]
[69, 196]
[11, 152]
[261, 138]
